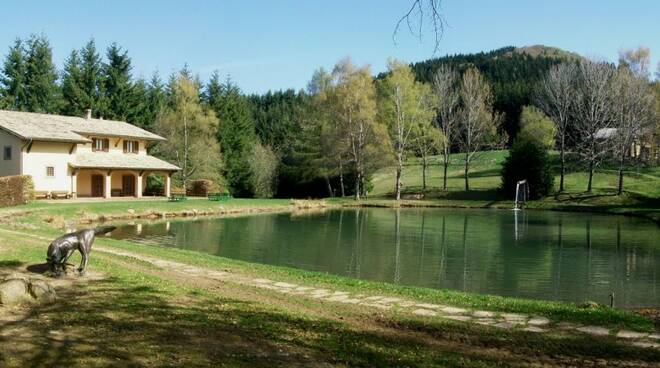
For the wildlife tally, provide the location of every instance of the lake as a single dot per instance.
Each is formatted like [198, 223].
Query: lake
[531, 254]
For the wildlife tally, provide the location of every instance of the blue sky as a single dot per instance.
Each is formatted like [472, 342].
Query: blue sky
[277, 44]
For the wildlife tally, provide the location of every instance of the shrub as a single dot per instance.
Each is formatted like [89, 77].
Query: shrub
[263, 170]
[536, 125]
[15, 190]
[528, 159]
[201, 187]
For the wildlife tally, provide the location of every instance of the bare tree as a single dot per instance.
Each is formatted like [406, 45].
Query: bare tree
[637, 60]
[477, 122]
[593, 112]
[555, 96]
[428, 140]
[404, 103]
[633, 111]
[445, 87]
[419, 12]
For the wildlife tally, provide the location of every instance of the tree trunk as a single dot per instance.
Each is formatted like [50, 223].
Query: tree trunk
[424, 174]
[399, 167]
[591, 175]
[620, 189]
[563, 167]
[444, 177]
[341, 180]
[327, 182]
[358, 179]
[467, 170]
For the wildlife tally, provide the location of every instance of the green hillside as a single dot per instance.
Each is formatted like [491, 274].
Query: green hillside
[642, 186]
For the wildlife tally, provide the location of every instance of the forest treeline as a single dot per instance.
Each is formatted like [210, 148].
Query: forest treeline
[326, 140]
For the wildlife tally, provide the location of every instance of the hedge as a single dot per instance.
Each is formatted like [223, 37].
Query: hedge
[15, 190]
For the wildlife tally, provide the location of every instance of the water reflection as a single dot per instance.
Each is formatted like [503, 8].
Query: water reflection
[546, 255]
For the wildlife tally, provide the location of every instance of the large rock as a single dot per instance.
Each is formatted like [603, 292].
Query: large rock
[14, 291]
[42, 291]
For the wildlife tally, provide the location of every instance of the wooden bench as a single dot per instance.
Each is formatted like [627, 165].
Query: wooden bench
[42, 194]
[219, 196]
[177, 197]
[59, 194]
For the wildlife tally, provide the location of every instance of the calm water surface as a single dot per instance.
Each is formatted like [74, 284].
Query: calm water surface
[531, 254]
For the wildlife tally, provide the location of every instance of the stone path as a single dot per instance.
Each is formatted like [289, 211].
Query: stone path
[507, 321]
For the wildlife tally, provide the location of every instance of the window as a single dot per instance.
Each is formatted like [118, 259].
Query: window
[7, 153]
[100, 144]
[131, 146]
[50, 171]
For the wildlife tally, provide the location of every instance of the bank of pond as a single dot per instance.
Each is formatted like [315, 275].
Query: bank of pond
[544, 255]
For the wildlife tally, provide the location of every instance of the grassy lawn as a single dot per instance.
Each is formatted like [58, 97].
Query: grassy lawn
[136, 314]
[641, 185]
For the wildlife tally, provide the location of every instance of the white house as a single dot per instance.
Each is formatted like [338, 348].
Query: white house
[79, 157]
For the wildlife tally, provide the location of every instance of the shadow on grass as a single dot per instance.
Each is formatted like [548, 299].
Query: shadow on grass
[112, 322]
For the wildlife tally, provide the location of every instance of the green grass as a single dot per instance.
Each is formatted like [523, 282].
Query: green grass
[140, 316]
[641, 187]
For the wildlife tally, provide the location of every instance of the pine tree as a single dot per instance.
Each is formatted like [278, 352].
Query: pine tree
[73, 103]
[235, 134]
[118, 90]
[92, 79]
[12, 79]
[41, 91]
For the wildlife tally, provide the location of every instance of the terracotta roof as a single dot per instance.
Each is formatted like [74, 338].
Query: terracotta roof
[47, 127]
[105, 160]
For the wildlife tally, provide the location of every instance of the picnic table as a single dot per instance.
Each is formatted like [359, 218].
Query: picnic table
[219, 196]
[177, 197]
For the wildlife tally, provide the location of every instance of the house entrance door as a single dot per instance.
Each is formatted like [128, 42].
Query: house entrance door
[97, 185]
[128, 186]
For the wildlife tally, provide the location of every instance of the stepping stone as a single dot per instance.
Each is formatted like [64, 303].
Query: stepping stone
[533, 329]
[262, 281]
[379, 306]
[643, 344]
[483, 314]
[459, 318]
[285, 285]
[594, 330]
[631, 334]
[654, 336]
[485, 321]
[389, 300]
[538, 321]
[340, 293]
[427, 306]
[505, 325]
[372, 298]
[452, 310]
[407, 304]
[303, 288]
[350, 301]
[337, 298]
[513, 316]
[566, 325]
[425, 312]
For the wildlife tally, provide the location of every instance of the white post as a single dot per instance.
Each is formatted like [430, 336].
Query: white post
[168, 184]
[108, 185]
[74, 184]
[138, 185]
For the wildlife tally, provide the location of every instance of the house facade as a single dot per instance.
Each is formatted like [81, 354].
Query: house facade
[79, 157]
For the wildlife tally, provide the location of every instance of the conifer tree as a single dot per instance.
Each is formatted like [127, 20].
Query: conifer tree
[41, 91]
[12, 78]
[118, 89]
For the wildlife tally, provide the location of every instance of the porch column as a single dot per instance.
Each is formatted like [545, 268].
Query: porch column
[108, 185]
[74, 184]
[138, 184]
[168, 184]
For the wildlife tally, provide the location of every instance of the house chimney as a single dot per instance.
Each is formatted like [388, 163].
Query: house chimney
[88, 114]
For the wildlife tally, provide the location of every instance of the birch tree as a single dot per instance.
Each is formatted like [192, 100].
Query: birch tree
[556, 96]
[633, 112]
[477, 120]
[428, 139]
[404, 104]
[445, 87]
[190, 131]
[593, 113]
[354, 100]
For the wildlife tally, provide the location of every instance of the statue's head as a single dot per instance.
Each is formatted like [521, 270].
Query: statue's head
[54, 259]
